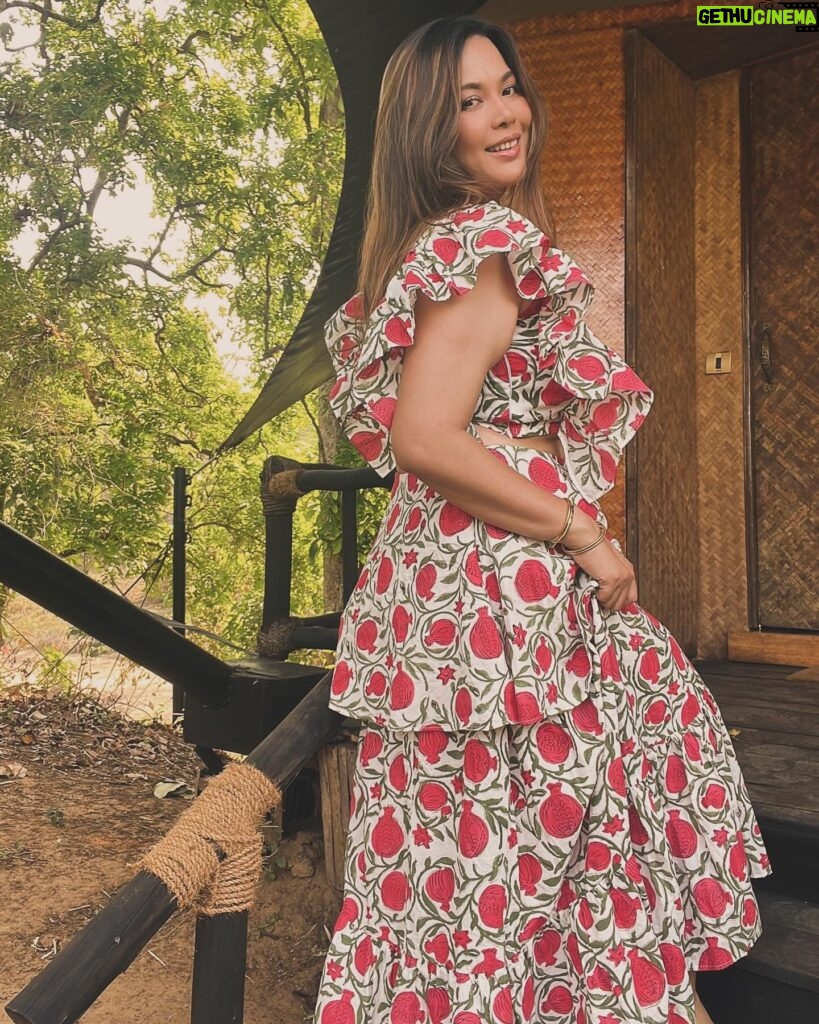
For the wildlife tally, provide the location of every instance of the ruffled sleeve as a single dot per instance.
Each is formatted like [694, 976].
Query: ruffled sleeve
[603, 400]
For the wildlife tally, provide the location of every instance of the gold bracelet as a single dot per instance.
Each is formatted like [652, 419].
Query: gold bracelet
[567, 524]
[601, 536]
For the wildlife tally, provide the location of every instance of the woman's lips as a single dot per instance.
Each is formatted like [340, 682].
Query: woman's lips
[510, 154]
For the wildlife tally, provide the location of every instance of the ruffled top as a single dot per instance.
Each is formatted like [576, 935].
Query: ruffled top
[556, 378]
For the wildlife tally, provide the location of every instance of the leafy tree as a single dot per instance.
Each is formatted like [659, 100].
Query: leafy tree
[109, 373]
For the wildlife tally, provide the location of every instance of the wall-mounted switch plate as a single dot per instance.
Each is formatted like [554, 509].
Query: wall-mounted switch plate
[718, 362]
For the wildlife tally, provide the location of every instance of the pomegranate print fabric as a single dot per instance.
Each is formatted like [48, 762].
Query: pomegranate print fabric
[548, 822]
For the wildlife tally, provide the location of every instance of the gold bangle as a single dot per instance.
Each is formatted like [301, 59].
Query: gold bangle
[567, 524]
[601, 536]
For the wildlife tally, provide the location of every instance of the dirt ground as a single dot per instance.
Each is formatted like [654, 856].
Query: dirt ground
[77, 808]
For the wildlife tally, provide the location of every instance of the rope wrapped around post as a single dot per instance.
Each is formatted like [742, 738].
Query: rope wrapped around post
[212, 858]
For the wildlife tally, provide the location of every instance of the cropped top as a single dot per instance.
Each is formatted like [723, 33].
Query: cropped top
[556, 377]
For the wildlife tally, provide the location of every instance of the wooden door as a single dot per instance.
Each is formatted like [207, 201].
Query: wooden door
[782, 161]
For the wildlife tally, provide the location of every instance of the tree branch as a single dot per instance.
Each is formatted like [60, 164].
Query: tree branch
[45, 11]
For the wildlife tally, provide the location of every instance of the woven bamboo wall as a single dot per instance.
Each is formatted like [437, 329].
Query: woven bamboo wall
[720, 458]
[664, 303]
[578, 61]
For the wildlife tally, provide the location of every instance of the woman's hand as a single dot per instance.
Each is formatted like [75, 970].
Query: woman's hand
[604, 563]
[614, 572]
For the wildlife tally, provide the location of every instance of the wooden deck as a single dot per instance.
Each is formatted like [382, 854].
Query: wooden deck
[774, 724]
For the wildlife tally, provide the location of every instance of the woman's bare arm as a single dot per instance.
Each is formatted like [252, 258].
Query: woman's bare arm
[456, 343]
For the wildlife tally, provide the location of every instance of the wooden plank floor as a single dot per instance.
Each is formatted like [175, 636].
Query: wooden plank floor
[774, 723]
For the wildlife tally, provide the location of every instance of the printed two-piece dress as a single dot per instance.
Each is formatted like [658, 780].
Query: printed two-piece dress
[548, 821]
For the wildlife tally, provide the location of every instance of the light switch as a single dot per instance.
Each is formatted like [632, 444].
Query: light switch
[718, 362]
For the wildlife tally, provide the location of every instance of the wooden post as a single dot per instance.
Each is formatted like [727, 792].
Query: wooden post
[110, 942]
[336, 767]
[219, 963]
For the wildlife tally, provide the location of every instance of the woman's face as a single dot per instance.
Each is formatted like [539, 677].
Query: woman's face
[492, 112]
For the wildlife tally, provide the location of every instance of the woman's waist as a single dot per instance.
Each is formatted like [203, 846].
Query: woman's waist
[540, 442]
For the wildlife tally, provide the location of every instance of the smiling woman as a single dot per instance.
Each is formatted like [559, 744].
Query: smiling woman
[495, 118]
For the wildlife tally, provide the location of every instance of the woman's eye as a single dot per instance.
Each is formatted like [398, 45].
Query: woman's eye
[467, 103]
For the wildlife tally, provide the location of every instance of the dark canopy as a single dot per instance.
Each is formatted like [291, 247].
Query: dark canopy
[360, 36]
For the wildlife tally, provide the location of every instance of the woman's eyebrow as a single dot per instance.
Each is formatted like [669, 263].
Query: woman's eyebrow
[477, 85]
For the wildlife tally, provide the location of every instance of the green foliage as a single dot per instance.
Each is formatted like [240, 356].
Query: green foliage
[109, 370]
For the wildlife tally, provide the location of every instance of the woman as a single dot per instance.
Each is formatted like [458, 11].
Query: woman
[548, 822]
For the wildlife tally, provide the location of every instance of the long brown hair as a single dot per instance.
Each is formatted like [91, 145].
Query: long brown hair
[416, 178]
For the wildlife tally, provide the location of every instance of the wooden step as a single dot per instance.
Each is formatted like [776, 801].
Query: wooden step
[779, 979]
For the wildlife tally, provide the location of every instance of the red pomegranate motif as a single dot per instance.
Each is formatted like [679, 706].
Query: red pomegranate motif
[395, 890]
[690, 709]
[406, 1009]
[598, 856]
[600, 979]
[493, 238]
[398, 773]
[677, 654]
[440, 887]
[625, 908]
[453, 519]
[584, 914]
[473, 832]
[544, 656]
[530, 873]
[438, 1004]
[492, 906]
[502, 1006]
[339, 1011]
[588, 367]
[676, 777]
[737, 858]
[439, 948]
[533, 582]
[383, 576]
[573, 953]
[674, 962]
[364, 957]
[447, 249]
[521, 708]
[366, 636]
[376, 684]
[637, 829]
[368, 443]
[558, 1000]
[532, 927]
[546, 947]
[396, 332]
[586, 719]
[387, 836]
[347, 915]
[714, 958]
[545, 475]
[472, 568]
[527, 1003]
[396, 511]
[463, 706]
[432, 742]
[649, 667]
[609, 664]
[414, 520]
[402, 691]
[371, 746]
[342, 675]
[633, 869]
[484, 637]
[363, 579]
[617, 776]
[553, 743]
[400, 623]
[579, 663]
[477, 761]
[560, 814]
[656, 712]
[467, 1016]
[492, 587]
[649, 980]
[692, 747]
[433, 796]
[425, 580]
[711, 898]
[714, 795]
[441, 633]
[681, 836]
[749, 912]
